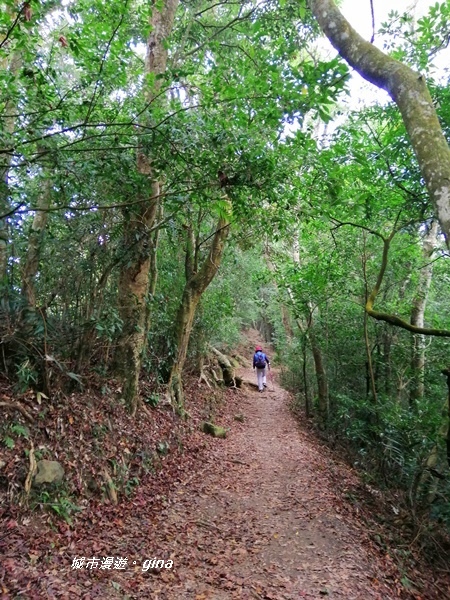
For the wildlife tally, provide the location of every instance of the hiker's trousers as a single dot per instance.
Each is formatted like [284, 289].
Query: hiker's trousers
[261, 378]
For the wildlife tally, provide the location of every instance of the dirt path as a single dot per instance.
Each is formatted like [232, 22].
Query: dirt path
[263, 515]
[268, 513]
[261, 520]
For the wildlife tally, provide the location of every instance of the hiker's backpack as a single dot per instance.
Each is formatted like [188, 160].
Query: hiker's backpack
[260, 360]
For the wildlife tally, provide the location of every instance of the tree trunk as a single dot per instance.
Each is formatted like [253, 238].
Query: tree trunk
[183, 328]
[135, 271]
[387, 360]
[228, 371]
[153, 273]
[418, 313]
[35, 241]
[133, 289]
[321, 376]
[196, 283]
[408, 90]
[319, 365]
[370, 376]
[305, 379]
[6, 129]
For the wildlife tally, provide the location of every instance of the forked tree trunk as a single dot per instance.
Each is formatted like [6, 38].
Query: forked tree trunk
[197, 280]
[408, 90]
[418, 314]
[135, 271]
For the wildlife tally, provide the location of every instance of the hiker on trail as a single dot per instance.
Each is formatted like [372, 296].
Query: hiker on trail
[260, 362]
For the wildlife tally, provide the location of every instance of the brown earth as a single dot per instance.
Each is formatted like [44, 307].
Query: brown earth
[268, 513]
[262, 520]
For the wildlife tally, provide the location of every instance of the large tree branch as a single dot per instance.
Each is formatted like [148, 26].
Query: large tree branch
[380, 316]
[393, 319]
[408, 90]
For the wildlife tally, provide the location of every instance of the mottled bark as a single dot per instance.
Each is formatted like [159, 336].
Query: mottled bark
[197, 280]
[409, 91]
[135, 271]
[132, 293]
[154, 241]
[183, 328]
[418, 315]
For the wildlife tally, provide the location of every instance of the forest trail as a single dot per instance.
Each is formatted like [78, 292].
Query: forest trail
[262, 520]
[262, 515]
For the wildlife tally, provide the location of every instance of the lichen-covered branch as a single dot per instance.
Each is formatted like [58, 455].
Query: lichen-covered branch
[393, 319]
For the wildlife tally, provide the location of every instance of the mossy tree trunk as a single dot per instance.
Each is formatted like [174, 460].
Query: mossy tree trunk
[139, 220]
[408, 90]
[197, 280]
[31, 266]
[133, 294]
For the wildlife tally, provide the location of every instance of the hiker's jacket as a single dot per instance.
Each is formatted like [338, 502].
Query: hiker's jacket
[258, 358]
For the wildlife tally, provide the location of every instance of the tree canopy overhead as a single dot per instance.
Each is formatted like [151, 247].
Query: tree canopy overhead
[173, 172]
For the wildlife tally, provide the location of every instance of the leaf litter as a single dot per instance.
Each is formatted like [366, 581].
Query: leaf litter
[262, 514]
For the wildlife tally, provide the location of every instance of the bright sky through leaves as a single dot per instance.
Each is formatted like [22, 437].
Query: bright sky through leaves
[358, 12]
[359, 15]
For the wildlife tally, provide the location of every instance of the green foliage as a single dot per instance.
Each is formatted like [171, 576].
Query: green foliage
[163, 448]
[131, 485]
[27, 376]
[392, 442]
[152, 400]
[58, 502]
[20, 430]
[108, 324]
[9, 442]
[231, 302]
[417, 42]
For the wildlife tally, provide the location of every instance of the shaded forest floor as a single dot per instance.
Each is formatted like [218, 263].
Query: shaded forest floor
[267, 513]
